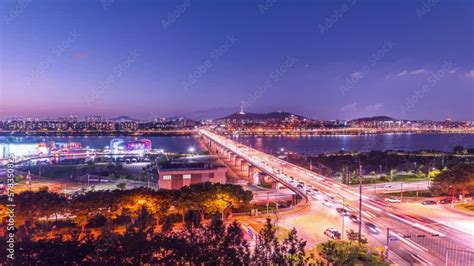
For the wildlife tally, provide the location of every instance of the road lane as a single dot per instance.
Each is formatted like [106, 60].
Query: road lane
[409, 230]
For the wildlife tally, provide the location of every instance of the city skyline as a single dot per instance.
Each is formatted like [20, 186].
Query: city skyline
[180, 58]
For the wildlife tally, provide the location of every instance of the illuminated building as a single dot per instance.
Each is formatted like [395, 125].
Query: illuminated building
[65, 146]
[177, 175]
[18, 150]
[134, 146]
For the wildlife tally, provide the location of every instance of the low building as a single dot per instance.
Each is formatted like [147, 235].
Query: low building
[178, 175]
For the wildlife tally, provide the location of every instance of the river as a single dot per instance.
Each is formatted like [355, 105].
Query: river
[333, 143]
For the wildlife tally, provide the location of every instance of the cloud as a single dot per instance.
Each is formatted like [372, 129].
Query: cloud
[412, 72]
[470, 74]
[352, 107]
[416, 72]
[403, 73]
[374, 107]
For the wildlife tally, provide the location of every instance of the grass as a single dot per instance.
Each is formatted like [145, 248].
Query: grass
[408, 178]
[397, 178]
[257, 226]
[469, 207]
[423, 193]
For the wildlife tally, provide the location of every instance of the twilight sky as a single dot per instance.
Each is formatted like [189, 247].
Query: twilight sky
[322, 59]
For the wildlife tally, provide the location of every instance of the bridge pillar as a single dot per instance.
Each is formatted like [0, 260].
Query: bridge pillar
[274, 185]
[261, 179]
[244, 165]
[238, 163]
[253, 175]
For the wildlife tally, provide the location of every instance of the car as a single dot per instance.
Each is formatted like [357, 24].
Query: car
[354, 218]
[446, 201]
[393, 200]
[342, 211]
[326, 203]
[428, 202]
[332, 233]
[372, 228]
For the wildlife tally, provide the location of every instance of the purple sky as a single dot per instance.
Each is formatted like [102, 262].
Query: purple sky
[321, 59]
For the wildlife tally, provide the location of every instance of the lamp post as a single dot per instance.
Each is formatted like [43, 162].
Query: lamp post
[388, 242]
[360, 203]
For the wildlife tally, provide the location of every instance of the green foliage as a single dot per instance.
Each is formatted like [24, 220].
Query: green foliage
[19, 178]
[136, 211]
[347, 253]
[269, 250]
[354, 236]
[122, 185]
[458, 179]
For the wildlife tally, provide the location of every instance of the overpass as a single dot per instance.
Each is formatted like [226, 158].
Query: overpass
[247, 164]
[411, 240]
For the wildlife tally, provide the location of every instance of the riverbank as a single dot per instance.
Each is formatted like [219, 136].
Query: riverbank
[345, 132]
[96, 133]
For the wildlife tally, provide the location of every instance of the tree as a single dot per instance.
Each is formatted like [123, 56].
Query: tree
[458, 179]
[354, 236]
[122, 185]
[108, 249]
[235, 250]
[268, 249]
[347, 253]
[459, 150]
[214, 237]
[433, 173]
[293, 248]
[328, 251]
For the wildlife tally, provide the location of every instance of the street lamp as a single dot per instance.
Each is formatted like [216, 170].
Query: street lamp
[360, 202]
[191, 150]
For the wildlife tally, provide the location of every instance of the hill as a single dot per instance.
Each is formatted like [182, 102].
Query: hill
[261, 117]
[375, 119]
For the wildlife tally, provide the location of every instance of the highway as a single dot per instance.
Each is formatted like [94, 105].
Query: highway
[414, 239]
